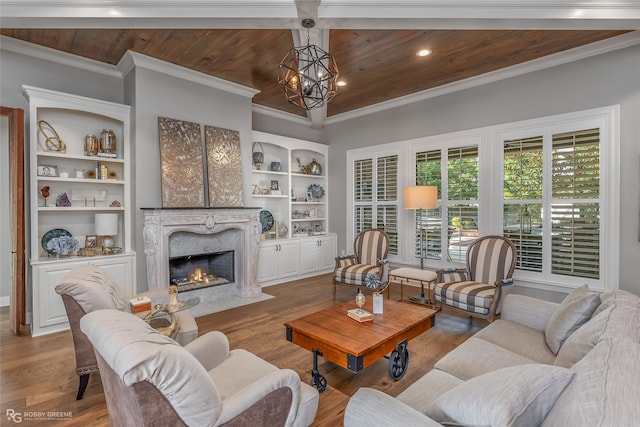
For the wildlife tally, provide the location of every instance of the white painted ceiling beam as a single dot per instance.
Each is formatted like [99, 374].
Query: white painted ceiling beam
[351, 14]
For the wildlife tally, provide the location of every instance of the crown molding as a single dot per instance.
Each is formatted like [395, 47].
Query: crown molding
[56, 56]
[575, 54]
[134, 59]
[148, 14]
[479, 9]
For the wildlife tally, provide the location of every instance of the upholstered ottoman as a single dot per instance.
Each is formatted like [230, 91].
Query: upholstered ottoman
[406, 275]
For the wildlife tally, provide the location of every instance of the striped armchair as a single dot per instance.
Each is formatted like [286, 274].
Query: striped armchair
[371, 248]
[477, 289]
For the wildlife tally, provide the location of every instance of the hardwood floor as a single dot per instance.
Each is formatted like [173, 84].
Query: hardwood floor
[38, 374]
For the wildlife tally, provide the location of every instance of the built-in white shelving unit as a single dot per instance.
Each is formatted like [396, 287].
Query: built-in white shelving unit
[291, 186]
[79, 177]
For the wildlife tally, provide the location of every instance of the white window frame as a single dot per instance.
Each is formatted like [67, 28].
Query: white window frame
[375, 153]
[607, 120]
[490, 190]
[444, 143]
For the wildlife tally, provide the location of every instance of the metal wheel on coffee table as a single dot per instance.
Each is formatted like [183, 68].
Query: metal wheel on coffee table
[318, 381]
[399, 361]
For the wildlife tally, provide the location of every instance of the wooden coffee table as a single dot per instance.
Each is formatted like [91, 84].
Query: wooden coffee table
[330, 333]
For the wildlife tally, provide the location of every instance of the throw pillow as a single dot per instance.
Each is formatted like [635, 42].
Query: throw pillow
[583, 340]
[572, 313]
[519, 396]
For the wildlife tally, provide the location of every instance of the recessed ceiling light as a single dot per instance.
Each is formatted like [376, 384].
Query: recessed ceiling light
[341, 83]
[423, 52]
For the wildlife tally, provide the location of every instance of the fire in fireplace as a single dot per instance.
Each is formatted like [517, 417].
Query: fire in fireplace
[199, 271]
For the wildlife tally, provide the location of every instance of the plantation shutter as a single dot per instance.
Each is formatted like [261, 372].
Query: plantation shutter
[522, 193]
[462, 206]
[362, 195]
[387, 199]
[575, 210]
[429, 172]
[363, 180]
[375, 197]
[460, 211]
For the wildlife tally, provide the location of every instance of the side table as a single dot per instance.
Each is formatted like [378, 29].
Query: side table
[170, 310]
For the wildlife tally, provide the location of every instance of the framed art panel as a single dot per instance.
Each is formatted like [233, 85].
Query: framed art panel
[224, 167]
[181, 162]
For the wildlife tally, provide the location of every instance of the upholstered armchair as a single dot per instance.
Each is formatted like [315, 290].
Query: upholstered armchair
[86, 289]
[368, 266]
[477, 289]
[150, 380]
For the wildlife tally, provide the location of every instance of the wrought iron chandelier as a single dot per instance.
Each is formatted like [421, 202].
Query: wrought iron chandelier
[308, 74]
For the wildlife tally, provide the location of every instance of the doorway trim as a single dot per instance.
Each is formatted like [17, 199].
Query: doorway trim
[17, 306]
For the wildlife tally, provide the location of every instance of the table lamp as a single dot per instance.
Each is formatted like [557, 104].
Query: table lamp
[106, 226]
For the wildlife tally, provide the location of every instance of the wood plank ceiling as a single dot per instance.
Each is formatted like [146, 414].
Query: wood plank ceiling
[378, 65]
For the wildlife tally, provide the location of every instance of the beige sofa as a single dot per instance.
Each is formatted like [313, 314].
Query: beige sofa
[571, 364]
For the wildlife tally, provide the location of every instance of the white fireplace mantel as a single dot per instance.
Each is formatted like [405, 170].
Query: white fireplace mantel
[161, 223]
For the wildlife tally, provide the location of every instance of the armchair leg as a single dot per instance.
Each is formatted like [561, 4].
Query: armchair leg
[84, 381]
[334, 290]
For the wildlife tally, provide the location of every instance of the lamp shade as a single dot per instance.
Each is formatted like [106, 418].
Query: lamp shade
[421, 197]
[106, 224]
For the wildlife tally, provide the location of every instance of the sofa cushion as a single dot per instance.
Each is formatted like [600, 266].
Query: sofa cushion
[427, 389]
[468, 295]
[519, 339]
[355, 274]
[476, 357]
[246, 367]
[583, 340]
[519, 396]
[605, 390]
[572, 313]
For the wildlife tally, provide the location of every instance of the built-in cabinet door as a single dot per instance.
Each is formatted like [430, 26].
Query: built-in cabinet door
[309, 254]
[121, 270]
[267, 262]
[288, 255]
[328, 251]
[49, 314]
[317, 253]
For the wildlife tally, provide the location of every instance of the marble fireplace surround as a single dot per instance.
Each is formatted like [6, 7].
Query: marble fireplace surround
[171, 232]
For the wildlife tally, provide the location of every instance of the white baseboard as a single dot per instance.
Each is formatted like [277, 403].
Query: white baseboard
[5, 301]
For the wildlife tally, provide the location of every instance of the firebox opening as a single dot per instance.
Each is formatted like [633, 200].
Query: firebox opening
[202, 270]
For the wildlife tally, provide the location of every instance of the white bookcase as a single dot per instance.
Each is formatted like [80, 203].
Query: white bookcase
[299, 244]
[78, 176]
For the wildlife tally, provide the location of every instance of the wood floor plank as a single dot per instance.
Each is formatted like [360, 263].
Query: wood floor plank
[38, 374]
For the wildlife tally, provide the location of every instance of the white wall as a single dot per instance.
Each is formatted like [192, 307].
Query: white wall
[153, 94]
[298, 128]
[607, 79]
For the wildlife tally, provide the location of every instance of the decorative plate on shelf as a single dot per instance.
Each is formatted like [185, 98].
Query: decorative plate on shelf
[59, 241]
[316, 190]
[266, 219]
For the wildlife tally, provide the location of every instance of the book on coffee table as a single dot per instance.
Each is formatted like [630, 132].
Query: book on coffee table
[360, 315]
